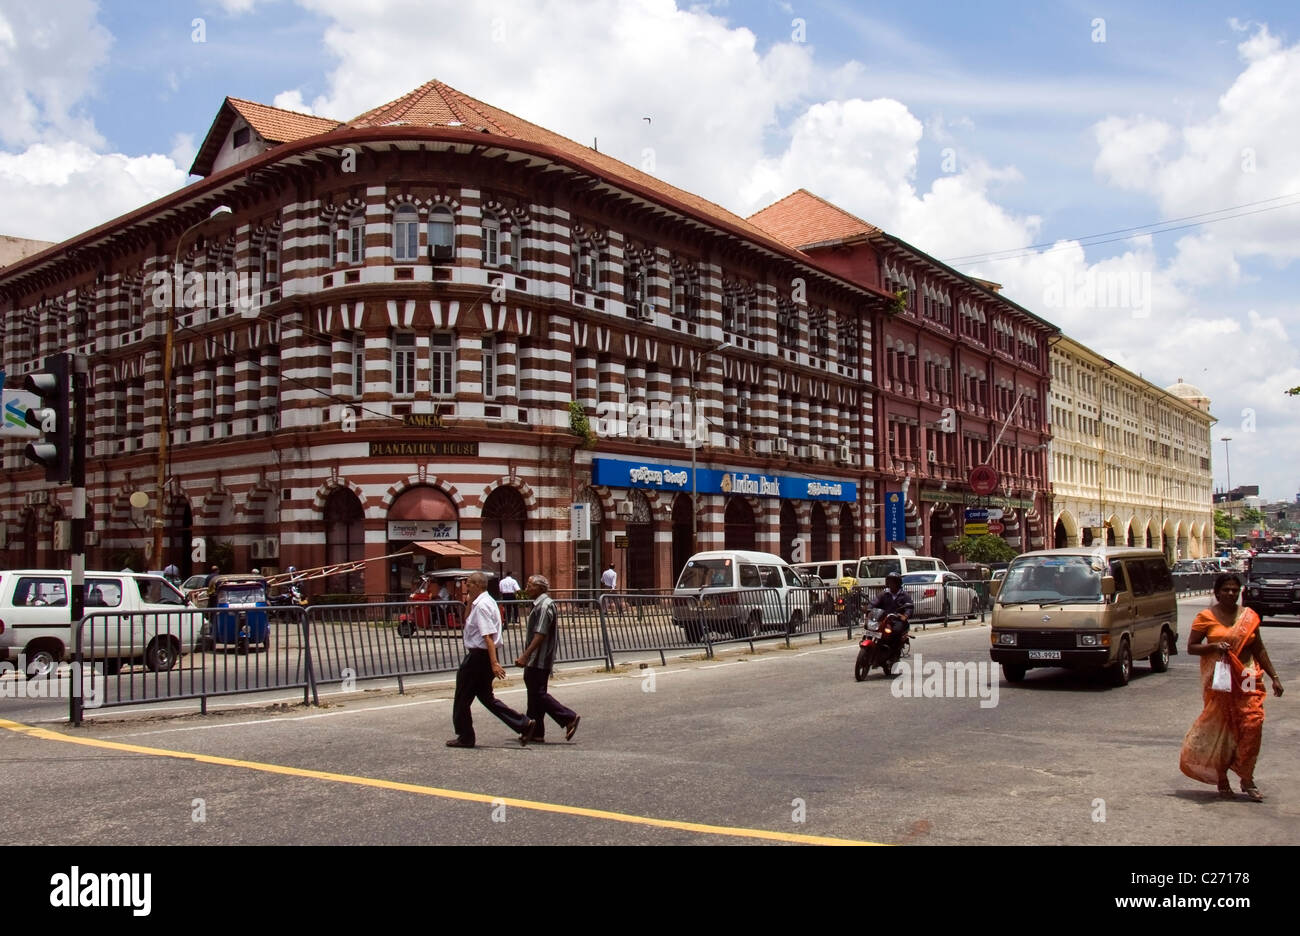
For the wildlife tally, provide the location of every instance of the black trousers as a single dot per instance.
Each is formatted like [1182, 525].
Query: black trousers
[474, 681]
[541, 703]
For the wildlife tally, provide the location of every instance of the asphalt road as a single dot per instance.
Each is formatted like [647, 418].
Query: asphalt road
[776, 746]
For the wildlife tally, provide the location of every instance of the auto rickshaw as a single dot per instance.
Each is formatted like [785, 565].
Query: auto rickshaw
[431, 590]
[242, 604]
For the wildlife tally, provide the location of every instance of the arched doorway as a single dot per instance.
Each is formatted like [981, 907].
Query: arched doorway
[640, 544]
[738, 524]
[683, 548]
[789, 530]
[345, 539]
[848, 533]
[821, 535]
[1086, 539]
[1130, 539]
[505, 516]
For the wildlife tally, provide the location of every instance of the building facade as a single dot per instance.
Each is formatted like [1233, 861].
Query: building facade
[962, 380]
[439, 323]
[1130, 461]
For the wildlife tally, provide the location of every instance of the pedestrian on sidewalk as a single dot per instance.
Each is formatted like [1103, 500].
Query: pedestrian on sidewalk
[510, 595]
[478, 669]
[538, 659]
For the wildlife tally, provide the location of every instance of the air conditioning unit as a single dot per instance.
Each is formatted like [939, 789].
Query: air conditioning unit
[624, 510]
[846, 453]
[92, 538]
[440, 251]
[782, 445]
[801, 451]
[645, 311]
[931, 456]
[815, 451]
[271, 549]
[255, 549]
[62, 534]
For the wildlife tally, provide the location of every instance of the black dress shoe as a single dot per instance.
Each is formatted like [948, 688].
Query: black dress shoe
[527, 734]
[459, 742]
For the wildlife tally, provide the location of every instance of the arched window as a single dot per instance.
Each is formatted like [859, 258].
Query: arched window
[442, 233]
[406, 233]
[491, 240]
[356, 243]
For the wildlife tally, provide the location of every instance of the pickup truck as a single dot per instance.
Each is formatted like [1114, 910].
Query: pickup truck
[131, 616]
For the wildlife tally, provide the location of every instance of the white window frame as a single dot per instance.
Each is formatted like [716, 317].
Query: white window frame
[358, 364]
[442, 219]
[491, 240]
[404, 362]
[442, 364]
[490, 383]
[356, 239]
[406, 233]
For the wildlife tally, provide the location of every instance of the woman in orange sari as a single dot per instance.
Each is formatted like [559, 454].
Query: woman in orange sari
[1228, 732]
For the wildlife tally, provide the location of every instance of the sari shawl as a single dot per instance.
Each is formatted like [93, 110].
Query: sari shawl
[1227, 733]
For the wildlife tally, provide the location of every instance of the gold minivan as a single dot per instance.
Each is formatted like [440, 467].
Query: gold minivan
[1087, 608]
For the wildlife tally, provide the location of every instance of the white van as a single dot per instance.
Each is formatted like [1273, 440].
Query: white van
[740, 593]
[34, 620]
[873, 569]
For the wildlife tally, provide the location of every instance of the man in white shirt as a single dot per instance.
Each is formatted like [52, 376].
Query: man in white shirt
[610, 578]
[509, 594]
[480, 666]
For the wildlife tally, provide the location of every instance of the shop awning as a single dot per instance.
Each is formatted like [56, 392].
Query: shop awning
[446, 549]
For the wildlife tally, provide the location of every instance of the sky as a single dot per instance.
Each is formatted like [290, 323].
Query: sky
[1129, 172]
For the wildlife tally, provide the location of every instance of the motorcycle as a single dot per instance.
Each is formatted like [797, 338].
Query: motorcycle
[879, 646]
[291, 597]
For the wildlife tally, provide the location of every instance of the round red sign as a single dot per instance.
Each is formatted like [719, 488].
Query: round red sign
[983, 479]
[996, 527]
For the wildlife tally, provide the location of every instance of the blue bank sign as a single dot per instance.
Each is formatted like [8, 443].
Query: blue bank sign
[617, 473]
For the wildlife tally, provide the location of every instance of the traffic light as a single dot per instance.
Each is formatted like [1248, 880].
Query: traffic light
[53, 418]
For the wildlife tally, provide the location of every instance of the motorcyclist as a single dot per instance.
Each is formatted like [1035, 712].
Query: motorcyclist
[895, 601]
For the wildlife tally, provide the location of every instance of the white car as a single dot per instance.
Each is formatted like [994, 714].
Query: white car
[130, 615]
[929, 590]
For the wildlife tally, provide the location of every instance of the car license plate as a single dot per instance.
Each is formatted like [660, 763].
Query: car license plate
[1044, 654]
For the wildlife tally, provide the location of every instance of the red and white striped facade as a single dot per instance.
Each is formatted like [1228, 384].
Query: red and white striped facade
[274, 430]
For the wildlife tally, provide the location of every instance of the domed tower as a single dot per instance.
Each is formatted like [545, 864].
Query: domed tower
[1191, 394]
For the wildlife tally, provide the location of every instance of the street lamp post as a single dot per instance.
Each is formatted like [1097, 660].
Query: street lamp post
[694, 442]
[1227, 464]
[164, 436]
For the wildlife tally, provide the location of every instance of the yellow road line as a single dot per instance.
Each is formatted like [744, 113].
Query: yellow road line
[537, 806]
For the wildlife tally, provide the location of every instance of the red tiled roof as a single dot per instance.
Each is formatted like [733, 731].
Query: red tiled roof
[281, 126]
[435, 104]
[802, 218]
[273, 124]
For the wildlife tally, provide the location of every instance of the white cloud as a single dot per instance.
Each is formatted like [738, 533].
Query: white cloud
[292, 100]
[48, 54]
[184, 149]
[66, 188]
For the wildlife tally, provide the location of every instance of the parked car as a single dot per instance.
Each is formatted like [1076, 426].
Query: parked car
[152, 626]
[739, 592]
[873, 569]
[195, 590]
[937, 595]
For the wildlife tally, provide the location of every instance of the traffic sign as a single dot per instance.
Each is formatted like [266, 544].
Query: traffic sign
[996, 527]
[983, 479]
[995, 513]
[976, 514]
[977, 529]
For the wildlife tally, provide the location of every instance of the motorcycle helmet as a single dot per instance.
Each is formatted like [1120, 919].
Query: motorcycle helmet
[293, 568]
[894, 577]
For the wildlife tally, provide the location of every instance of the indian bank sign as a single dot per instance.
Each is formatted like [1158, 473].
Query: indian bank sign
[619, 473]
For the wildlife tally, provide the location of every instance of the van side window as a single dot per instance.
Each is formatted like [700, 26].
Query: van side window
[103, 593]
[40, 592]
[924, 565]
[792, 578]
[1161, 578]
[1121, 581]
[1138, 574]
[771, 577]
[749, 577]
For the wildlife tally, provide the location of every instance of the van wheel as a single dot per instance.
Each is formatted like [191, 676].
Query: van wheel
[1160, 659]
[694, 632]
[754, 626]
[112, 666]
[796, 622]
[1014, 672]
[41, 661]
[1123, 667]
[241, 645]
[160, 656]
